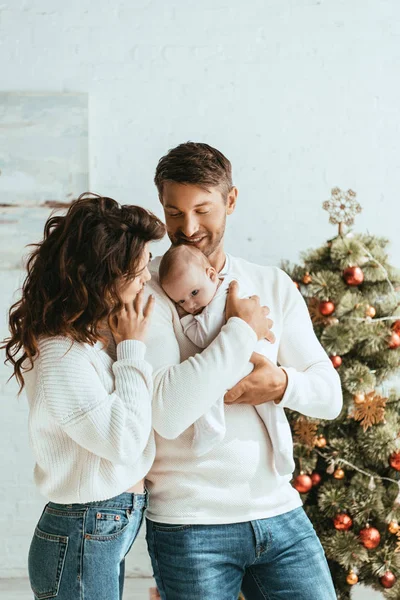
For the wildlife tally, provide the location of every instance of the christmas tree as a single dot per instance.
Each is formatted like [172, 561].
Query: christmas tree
[348, 470]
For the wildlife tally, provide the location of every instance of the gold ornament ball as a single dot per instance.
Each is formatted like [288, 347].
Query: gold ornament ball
[352, 578]
[307, 278]
[370, 537]
[320, 442]
[370, 312]
[388, 580]
[338, 474]
[393, 527]
[296, 283]
[359, 398]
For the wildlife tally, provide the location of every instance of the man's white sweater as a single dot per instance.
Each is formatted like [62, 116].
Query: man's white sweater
[237, 480]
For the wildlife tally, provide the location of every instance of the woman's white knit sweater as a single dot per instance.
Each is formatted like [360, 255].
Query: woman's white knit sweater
[90, 419]
[236, 481]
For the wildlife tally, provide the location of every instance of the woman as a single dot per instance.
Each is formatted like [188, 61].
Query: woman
[77, 346]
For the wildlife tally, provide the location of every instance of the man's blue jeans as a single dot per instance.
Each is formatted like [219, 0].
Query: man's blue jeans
[279, 558]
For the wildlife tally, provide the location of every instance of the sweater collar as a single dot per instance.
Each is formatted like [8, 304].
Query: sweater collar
[225, 269]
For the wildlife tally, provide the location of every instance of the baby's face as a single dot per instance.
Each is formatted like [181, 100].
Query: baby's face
[193, 288]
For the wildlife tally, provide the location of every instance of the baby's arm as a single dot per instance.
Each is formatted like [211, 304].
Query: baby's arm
[202, 329]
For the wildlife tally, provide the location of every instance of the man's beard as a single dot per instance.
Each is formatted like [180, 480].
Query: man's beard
[212, 241]
[209, 247]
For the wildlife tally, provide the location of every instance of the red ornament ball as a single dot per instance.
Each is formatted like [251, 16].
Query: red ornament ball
[302, 483]
[388, 579]
[336, 360]
[394, 341]
[370, 537]
[394, 460]
[315, 478]
[326, 308]
[396, 326]
[353, 276]
[342, 522]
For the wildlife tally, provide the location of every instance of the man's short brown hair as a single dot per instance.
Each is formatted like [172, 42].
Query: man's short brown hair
[197, 164]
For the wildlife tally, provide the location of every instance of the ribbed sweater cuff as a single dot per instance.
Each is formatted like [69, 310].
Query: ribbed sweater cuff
[289, 397]
[131, 350]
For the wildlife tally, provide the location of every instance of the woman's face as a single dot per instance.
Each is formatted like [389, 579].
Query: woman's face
[129, 288]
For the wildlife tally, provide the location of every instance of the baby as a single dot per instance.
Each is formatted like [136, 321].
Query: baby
[200, 294]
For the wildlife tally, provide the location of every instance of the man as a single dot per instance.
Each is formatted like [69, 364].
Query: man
[229, 520]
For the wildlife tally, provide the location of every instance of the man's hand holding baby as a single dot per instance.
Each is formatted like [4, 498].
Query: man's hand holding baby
[267, 382]
[251, 311]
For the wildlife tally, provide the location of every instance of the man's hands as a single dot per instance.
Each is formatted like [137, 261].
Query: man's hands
[250, 310]
[265, 383]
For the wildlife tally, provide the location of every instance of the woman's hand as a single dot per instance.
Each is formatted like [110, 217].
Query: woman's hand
[132, 322]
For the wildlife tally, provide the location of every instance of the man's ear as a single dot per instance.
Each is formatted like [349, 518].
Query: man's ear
[212, 274]
[231, 200]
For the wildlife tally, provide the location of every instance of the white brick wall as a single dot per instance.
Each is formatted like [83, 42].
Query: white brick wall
[301, 95]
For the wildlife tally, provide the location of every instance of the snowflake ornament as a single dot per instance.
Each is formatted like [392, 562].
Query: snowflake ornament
[306, 431]
[342, 207]
[371, 412]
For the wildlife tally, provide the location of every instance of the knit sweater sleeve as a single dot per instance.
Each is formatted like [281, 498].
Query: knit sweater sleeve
[113, 426]
[314, 387]
[184, 391]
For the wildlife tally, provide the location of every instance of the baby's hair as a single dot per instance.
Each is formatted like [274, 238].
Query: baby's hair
[175, 255]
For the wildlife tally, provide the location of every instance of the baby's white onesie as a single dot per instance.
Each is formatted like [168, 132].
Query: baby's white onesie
[202, 329]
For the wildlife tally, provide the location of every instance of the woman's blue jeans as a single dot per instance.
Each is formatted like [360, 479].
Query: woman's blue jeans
[279, 558]
[78, 550]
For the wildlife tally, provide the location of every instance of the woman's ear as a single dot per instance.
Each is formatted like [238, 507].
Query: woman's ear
[212, 274]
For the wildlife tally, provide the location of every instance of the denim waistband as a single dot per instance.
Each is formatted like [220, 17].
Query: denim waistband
[124, 501]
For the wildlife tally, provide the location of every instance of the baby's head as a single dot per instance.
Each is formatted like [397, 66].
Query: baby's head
[187, 278]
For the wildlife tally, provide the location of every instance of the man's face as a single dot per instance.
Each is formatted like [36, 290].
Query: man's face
[195, 216]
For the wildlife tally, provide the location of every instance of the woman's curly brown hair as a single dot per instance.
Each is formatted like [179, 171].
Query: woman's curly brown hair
[71, 285]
